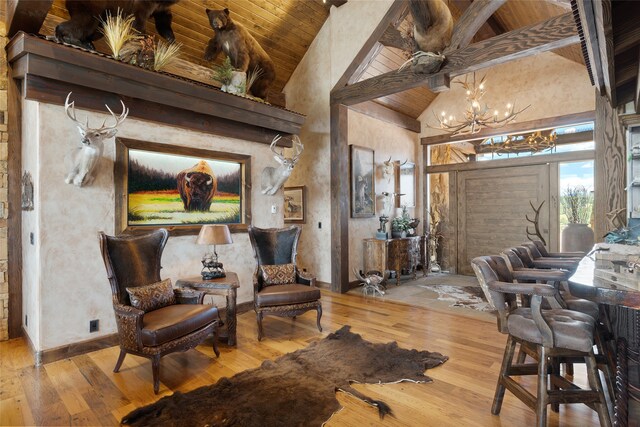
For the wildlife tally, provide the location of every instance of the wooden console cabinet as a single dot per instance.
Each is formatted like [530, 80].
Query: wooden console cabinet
[406, 253]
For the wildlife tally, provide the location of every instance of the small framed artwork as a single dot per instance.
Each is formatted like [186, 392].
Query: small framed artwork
[362, 182]
[295, 204]
[179, 188]
[406, 185]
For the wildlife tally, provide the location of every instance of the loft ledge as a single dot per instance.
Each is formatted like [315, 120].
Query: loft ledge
[51, 70]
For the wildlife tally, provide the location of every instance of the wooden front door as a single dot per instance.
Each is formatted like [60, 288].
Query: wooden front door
[492, 209]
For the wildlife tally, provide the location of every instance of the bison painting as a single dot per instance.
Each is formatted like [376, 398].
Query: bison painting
[197, 186]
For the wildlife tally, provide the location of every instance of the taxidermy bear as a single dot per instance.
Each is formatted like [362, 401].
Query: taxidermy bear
[82, 29]
[242, 49]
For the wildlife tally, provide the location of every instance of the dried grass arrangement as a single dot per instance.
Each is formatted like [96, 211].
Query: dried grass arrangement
[252, 76]
[118, 31]
[165, 53]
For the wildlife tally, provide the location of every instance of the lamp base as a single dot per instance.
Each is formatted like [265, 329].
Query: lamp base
[208, 275]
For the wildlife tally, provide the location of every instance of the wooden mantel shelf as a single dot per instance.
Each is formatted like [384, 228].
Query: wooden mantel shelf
[51, 70]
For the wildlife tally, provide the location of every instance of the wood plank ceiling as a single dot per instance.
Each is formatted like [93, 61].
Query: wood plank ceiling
[286, 28]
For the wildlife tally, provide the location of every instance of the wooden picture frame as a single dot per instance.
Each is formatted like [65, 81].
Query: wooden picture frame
[362, 172]
[295, 204]
[405, 185]
[167, 186]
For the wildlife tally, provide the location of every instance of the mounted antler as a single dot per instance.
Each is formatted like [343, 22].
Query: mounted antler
[274, 178]
[85, 157]
[535, 223]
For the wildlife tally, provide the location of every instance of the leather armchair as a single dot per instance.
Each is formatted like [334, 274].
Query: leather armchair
[545, 253]
[134, 261]
[279, 246]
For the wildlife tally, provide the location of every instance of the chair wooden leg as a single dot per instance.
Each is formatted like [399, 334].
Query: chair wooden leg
[596, 385]
[555, 370]
[259, 319]
[215, 341]
[155, 368]
[123, 353]
[509, 350]
[318, 318]
[543, 396]
[522, 356]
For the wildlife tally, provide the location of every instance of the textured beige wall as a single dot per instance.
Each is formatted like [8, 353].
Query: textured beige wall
[4, 143]
[69, 286]
[551, 84]
[307, 92]
[387, 140]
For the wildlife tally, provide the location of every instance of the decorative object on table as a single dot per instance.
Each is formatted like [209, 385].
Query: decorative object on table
[213, 235]
[406, 184]
[295, 204]
[84, 158]
[181, 188]
[372, 282]
[27, 192]
[381, 233]
[536, 223]
[399, 227]
[362, 182]
[84, 24]
[274, 178]
[477, 115]
[577, 206]
[413, 225]
[244, 52]
[266, 395]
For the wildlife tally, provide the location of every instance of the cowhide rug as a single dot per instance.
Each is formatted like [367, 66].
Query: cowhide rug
[461, 296]
[297, 389]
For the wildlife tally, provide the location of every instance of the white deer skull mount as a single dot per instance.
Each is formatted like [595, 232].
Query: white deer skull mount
[84, 158]
[274, 178]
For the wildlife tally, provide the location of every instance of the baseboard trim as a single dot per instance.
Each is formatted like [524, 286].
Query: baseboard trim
[323, 285]
[32, 348]
[243, 307]
[354, 284]
[75, 349]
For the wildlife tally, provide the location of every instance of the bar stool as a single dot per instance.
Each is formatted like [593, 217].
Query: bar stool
[543, 251]
[540, 261]
[555, 333]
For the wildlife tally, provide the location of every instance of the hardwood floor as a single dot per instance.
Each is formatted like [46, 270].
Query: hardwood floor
[83, 390]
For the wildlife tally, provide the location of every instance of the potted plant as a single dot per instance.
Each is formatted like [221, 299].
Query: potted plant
[577, 204]
[401, 224]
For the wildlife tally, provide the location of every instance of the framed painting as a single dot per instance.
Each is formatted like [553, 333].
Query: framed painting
[179, 188]
[362, 182]
[406, 185]
[295, 204]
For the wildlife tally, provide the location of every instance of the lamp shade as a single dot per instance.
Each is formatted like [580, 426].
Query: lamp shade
[214, 235]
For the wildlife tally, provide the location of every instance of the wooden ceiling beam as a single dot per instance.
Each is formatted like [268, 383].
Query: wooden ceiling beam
[529, 126]
[637, 97]
[380, 112]
[26, 15]
[474, 17]
[556, 32]
[397, 9]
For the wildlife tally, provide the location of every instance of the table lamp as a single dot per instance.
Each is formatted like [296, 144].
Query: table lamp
[213, 235]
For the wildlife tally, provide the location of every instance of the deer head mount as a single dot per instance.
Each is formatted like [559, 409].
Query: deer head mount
[274, 178]
[389, 167]
[84, 157]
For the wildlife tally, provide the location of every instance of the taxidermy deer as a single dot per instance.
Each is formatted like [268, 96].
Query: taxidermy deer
[84, 158]
[274, 178]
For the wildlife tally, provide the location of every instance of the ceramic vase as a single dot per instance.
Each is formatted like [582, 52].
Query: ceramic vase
[577, 238]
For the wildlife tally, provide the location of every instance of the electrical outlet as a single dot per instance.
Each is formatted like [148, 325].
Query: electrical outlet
[94, 325]
[274, 209]
[32, 238]
[26, 320]
[319, 225]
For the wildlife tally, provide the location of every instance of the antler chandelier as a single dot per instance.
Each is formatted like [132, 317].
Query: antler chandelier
[533, 143]
[477, 115]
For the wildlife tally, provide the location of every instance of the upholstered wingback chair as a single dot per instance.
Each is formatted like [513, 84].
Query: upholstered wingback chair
[552, 334]
[279, 288]
[152, 318]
